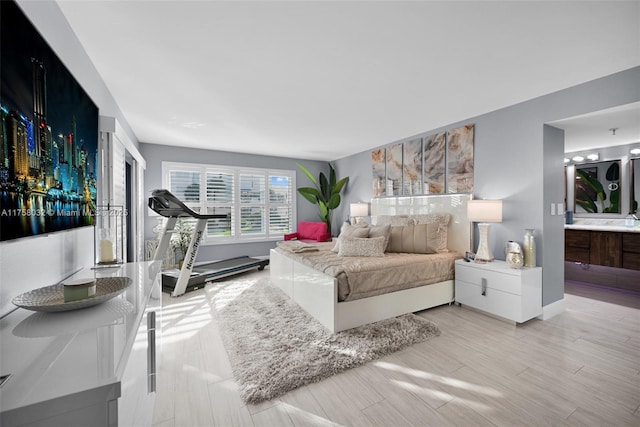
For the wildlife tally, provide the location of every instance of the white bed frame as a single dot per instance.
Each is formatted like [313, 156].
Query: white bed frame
[317, 293]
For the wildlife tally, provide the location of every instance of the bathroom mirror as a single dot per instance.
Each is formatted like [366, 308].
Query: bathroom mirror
[634, 185]
[597, 187]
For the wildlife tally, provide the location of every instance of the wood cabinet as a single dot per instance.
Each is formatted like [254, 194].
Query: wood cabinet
[576, 246]
[631, 251]
[607, 248]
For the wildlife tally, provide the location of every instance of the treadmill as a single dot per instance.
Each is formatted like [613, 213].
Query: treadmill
[192, 277]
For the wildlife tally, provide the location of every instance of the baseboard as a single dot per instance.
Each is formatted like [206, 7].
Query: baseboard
[553, 309]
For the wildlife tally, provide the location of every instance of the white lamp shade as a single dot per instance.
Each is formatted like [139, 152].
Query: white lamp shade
[359, 209]
[484, 210]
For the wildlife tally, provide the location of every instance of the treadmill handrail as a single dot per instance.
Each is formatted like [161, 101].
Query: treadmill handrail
[164, 203]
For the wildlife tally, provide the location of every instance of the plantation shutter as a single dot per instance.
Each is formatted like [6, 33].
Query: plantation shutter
[252, 203]
[255, 203]
[220, 200]
[280, 204]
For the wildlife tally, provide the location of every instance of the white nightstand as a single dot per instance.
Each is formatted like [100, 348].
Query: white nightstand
[510, 293]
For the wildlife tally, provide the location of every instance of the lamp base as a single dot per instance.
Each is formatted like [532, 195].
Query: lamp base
[484, 255]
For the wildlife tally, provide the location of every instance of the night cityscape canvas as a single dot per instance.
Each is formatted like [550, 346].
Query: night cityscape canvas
[49, 136]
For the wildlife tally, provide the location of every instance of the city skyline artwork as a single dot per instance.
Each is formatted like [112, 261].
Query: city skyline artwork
[48, 136]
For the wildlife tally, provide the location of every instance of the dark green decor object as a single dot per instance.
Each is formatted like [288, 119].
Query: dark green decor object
[326, 193]
[584, 200]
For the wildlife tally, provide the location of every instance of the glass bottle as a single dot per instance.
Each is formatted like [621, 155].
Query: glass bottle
[529, 247]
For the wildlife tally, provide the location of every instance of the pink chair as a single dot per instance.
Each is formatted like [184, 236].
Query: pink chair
[310, 231]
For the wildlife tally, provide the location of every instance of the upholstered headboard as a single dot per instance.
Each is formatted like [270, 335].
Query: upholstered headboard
[459, 234]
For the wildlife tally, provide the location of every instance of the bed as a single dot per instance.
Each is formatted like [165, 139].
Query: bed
[320, 288]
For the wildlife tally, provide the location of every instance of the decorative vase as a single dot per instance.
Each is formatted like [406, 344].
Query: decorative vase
[529, 247]
[515, 260]
[513, 253]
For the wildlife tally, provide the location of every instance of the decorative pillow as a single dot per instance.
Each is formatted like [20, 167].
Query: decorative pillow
[348, 230]
[442, 219]
[433, 218]
[393, 220]
[358, 246]
[380, 230]
[311, 230]
[417, 239]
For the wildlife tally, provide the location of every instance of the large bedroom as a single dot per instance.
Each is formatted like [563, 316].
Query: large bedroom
[319, 213]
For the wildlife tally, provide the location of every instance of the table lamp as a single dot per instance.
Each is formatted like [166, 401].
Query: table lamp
[358, 210]
[484, 212]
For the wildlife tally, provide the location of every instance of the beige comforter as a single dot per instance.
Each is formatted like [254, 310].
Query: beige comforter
[361, 277]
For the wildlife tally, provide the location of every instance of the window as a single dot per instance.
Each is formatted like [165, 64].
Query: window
[259, 204]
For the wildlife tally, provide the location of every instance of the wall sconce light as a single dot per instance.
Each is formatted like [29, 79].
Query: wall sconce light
[358, 210]
[592, 157]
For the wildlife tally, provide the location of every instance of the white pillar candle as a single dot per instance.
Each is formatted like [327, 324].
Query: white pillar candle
[106, 251]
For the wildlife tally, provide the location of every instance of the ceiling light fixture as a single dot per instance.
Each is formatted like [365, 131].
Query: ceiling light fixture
[593, 156]
[567, 160]
[635, 151]
[577, 158]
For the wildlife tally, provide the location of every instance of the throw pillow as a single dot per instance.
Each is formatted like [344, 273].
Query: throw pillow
[358, 246]
[381, 230]
[393, 220]
[311, 230]
[442, 219]
[417, 239]
[348, 230]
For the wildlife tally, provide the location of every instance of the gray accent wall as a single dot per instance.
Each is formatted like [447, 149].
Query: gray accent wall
[155, 154]
[553, 225]
[519, 160]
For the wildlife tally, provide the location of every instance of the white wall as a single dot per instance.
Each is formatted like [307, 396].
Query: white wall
[31, 263]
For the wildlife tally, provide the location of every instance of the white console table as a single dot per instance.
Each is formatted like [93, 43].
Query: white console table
[90, 367]
[511, 293]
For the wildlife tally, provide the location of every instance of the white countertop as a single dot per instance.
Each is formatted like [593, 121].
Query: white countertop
[597, 224]
[51, 355]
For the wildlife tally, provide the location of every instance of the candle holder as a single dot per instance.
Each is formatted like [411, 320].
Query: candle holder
[109, 235]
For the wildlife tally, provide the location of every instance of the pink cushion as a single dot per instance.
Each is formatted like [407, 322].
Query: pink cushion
[312, 231]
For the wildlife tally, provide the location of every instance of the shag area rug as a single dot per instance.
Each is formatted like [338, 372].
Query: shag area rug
[274, 346]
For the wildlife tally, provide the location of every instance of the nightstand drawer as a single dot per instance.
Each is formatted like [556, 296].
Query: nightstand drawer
[514, 294]
[500, 303]
[491, 279]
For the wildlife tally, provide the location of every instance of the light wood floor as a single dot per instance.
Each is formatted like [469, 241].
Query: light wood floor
[580, 368]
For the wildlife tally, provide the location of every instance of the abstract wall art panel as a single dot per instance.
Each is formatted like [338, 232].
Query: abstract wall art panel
[412, 167]
[48, 136]
[378, 162]
[394, 170]
[434, 163]
[460, 159]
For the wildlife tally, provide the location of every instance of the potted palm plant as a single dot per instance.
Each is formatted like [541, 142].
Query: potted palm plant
[325, 194]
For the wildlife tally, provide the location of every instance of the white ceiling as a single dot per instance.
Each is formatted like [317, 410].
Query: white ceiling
[594, 130]
[326, 79]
